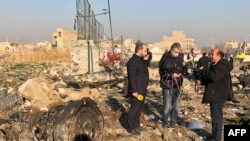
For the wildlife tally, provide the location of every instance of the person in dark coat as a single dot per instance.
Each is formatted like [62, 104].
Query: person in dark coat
[227, 55]
[203, 61]
[148, 58]
[171, 69]
[181, 55]
[217, 89]
[138, 79]
[231, 94]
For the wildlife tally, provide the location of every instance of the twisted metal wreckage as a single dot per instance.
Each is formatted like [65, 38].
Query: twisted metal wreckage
[76, 120]
[79, 120]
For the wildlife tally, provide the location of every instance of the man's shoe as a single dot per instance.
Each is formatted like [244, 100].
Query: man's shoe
[134, 132]
[141, 129]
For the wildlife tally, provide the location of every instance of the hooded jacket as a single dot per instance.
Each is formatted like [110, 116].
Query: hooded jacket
[217, 82]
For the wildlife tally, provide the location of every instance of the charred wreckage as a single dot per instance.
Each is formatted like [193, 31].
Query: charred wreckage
[77, 120]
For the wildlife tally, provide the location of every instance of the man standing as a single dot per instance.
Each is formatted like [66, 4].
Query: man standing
[190, 57]
[227, 55]
[241, 56]
[171, 69]
[231, 94]
[203, 61]
[217, 89]
[138, 79]
[148, 57]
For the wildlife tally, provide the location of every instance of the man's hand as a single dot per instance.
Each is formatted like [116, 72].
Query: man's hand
[146, 57]
[135, 94]
[176, 75]
[198, 82]
[201, 68]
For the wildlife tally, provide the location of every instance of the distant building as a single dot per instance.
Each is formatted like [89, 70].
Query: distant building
[177, 36]
[6, 47]
[128, 45]
[247, 49]
[159, 48]
[45, 44]
[232, 44]
[64, 38]
[235, 45]
[9, 47]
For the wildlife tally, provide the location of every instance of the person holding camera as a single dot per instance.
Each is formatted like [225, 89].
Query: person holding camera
[216, 78]
[171, 69]
[203, 61]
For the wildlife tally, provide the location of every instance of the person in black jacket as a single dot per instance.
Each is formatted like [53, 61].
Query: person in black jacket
[231, 94]
[171, 69]
[148, 58]
[217, 88]
[203, 61]
[138, 79]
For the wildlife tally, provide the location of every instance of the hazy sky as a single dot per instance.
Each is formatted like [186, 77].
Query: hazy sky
[207, 21]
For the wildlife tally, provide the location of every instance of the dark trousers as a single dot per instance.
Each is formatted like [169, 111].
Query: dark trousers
[217, 120]
[134, 113]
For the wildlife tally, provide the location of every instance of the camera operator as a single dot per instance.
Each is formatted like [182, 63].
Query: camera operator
[171, 69]
[203, 61]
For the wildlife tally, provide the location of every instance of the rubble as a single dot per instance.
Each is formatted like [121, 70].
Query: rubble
[71, 121]
[50, 97]
[10, 100]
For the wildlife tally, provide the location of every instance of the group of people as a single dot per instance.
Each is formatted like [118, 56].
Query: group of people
[215, 75]
[112, 57]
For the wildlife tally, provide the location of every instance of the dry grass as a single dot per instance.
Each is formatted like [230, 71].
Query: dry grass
[40, 55]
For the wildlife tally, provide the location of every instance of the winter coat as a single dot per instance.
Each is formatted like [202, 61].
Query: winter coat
[203, 61]
[138, 75]
[217, 82]
[167, 66]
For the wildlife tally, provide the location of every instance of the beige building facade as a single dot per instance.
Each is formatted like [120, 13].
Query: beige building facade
[232, 44]
[5, 47]
[158, 48]
[179, 36]
[64, 38]
[235, 45]
[10, 47]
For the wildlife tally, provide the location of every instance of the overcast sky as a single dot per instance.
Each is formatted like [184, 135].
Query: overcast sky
[207, 21]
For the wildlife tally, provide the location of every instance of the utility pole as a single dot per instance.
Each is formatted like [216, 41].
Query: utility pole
[111, 32]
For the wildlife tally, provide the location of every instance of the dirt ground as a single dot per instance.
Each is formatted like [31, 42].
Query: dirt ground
[115, 106]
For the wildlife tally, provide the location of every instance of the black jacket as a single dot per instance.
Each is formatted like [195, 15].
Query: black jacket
[217, 82]
[203, 61]
[169, 65]
[138, 75]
